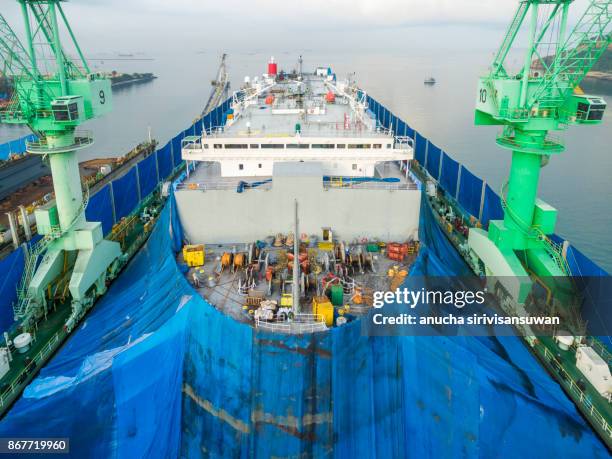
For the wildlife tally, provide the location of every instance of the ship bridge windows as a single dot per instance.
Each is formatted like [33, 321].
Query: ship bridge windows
[298, 145]
[254, 145]
[388, 145]
[236, 145]
[341, 145]
[272, 145]
[218, 146]
[359, 145]
[377, 145]
[323, 145]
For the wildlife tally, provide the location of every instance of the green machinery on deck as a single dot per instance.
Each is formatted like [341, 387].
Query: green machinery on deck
[542, 97]
[53, 103]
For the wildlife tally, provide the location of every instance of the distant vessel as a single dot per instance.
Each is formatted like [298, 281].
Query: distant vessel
[126, 79]
[430, 80]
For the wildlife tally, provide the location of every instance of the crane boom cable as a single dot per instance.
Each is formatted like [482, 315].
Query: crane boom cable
[498, 62]
[573, 60]
[13, 50]
[45, 24]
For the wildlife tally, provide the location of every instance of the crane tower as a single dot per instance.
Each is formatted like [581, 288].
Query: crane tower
[53, 97]
[530, 105]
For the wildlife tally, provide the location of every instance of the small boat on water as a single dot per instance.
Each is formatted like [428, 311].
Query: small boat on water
[430, 80]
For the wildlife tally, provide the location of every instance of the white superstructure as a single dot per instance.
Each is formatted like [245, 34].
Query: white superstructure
[297, 138]
[297, 118]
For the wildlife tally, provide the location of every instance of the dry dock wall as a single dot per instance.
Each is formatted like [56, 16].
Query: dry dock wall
[226, 216]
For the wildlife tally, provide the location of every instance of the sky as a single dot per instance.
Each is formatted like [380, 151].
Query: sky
[163, 26]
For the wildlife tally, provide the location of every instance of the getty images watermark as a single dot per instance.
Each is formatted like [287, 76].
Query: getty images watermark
[450, 311]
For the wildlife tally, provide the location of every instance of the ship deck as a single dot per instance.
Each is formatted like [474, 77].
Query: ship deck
[223, 287]
[207, 176]
[291, 105]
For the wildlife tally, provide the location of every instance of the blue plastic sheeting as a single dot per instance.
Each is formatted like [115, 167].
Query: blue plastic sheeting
[175, 229]
[207, 120]
[125, 192]
[579, 264]
[12, 269]
[420, 148]
[450, 173]
[327, 178]
[155, 371]
[100, 208]
[491, 207]
[433, 160]
[15, 147]
[147, 175]
[404, 130]
[176, 149]
[164, 161]
[438, 258]
[242, 185]
[470, 192]
[108, 375]
[384, 117]
[198, 127]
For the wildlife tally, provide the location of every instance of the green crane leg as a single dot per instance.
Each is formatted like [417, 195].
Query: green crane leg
[66, 181]
[522, 193]
[81, 241]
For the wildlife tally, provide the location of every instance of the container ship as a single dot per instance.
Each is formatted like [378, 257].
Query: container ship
[212, 299]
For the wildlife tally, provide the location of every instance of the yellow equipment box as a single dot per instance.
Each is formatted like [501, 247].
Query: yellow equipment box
[321, 305]
[326, 246]
[194, 255]
[286, 300]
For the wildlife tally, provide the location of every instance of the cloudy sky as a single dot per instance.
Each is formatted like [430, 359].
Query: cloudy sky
[167, 25]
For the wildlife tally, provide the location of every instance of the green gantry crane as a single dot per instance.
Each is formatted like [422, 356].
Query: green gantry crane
[53, 104]
[541, 98]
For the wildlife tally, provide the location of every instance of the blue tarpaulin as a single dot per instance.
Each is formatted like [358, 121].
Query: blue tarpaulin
[198, 127]
[164, 160]
[147, 175]
[15, 147]
[420, 148]
[491, 207]
[433, 160]
[579, 264]
[12, 269]
[100, 208]
[125, 192]
[404, 130]
[470, 192]
[176, 149]
[152, 372]
[207, 120]
[450, 172]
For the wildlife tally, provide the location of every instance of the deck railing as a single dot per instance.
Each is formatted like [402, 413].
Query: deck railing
[306, 130]
[347, 184]
[209, 186]
[37, 360]
[581, 396]
[301, 323]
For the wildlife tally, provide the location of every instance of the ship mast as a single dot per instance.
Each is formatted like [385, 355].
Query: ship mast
[296, 265]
